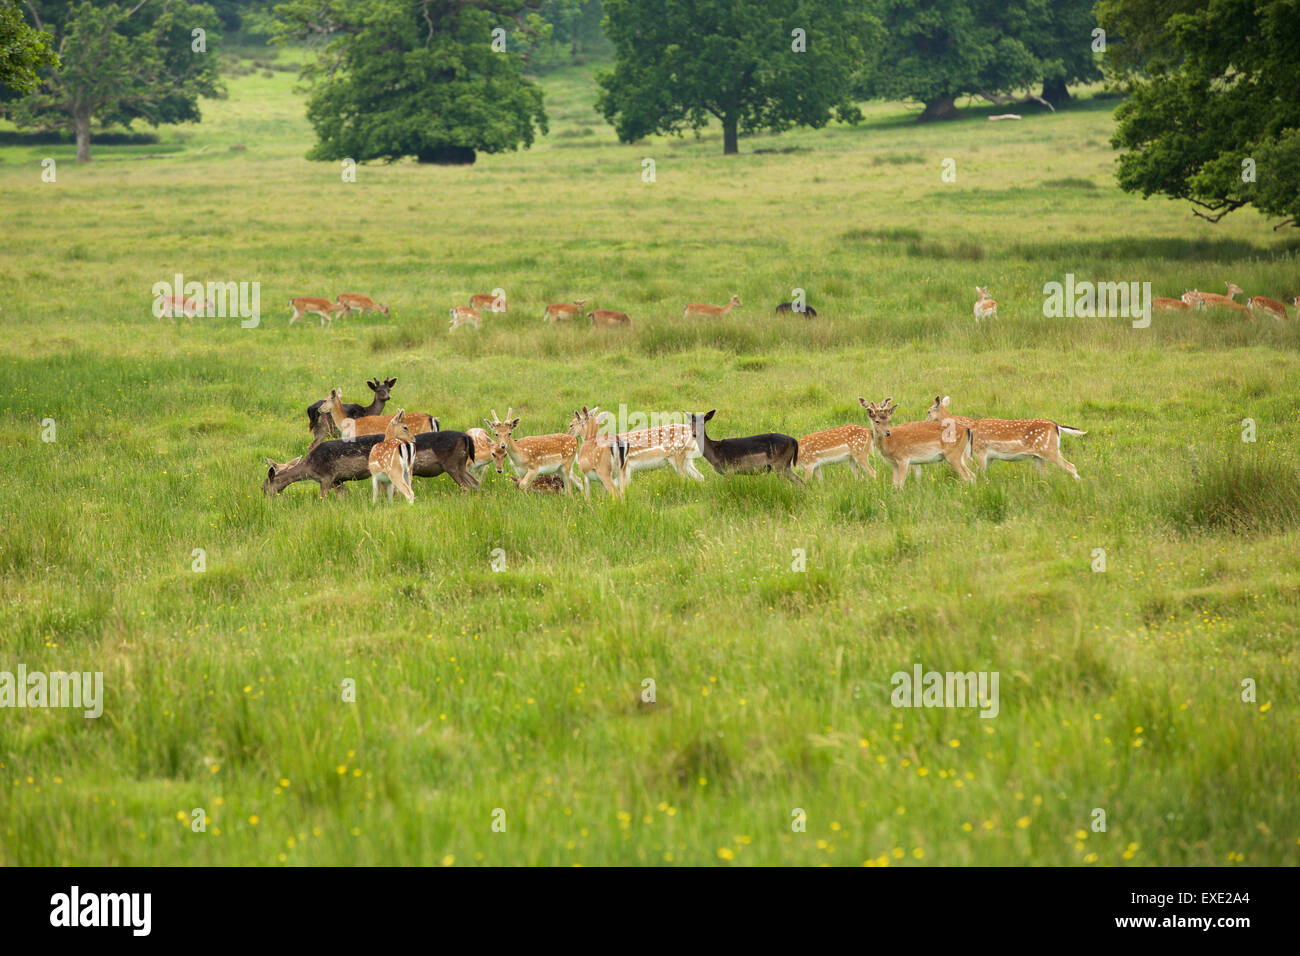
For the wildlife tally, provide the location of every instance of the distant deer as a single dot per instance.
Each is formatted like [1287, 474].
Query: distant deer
[1162, 304]
[851, 443]
[1270, 307]
[917, 443]
[172, 305]
[985, 307]
[753, 454]
[306, 305]
[698, 310]
[489, 303]
[536, 454]
[1212, 300]
[601, 456]
[806, 311]
[558, 311]
[609, 319]
[361, 303]
[463, 315]
[1009, 439]
[391, 460]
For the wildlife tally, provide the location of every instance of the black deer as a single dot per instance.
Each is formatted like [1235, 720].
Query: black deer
[331, 463]
[747, 456]
[807, 311]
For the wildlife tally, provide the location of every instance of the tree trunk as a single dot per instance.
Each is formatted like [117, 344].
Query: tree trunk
[945, 107]
[81, 121]
[730, 139]
[1055, 92]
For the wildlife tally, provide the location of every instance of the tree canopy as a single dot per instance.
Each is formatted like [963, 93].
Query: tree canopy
[416, 78]
[24, 51]
[762, 64]
[1213, 108]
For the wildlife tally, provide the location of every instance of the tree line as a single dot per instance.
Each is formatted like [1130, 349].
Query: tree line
[1210, 112]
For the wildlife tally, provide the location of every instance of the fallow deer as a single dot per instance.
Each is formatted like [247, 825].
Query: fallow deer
[609, 319]
[496, 302]
[173, 305]
[307, 305]
[486, 452]
[851, 443]
[463, 315]
[391, 460]
[670, 444]
[985, 307]
[1163, 304]
[601, 456]
[1009, 439]
[698, 310]
[542, 484]
[356, 302]
[807, 311]
[332, 463]
[751, 455]
[917, 443]
[350, 428]
[536, 454]
[1211, 300]
[1267, 306]
[558, 311]
[321, 425]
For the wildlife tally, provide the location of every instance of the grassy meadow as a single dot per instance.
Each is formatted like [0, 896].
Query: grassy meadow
[520, 690]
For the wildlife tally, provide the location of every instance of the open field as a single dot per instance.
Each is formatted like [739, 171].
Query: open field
[519, 689]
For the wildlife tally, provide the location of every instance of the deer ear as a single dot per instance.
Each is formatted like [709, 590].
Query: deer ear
[371, 383]
[270, 473]
[710, 414]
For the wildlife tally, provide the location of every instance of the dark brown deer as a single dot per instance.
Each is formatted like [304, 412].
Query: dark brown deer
[331, 463]
[321, 425]
[747, 456]
[807, 311]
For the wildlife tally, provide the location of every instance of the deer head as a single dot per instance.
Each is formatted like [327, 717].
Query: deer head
[398, 429]
[879, 414]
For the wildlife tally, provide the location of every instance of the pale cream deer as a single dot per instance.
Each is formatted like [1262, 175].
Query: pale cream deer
[536, 454]
[390, 460]
[1009, 439]
[917, 443]
[851, 443]
[699, 310]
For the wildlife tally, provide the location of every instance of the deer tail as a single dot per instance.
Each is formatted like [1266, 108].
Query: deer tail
[1069, 430]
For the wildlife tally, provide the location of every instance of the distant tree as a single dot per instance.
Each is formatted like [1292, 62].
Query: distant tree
[1213, 108]
[119, 64]
[943, 49]
[681, 63]
[24, 51]
[415, 78]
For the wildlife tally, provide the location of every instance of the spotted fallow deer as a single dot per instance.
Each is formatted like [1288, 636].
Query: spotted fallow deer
[985, 307]
[390, 460]
[671, 444]
[699, 310]
[917, 443]
[558, 311]
[536, 454]
[486, 452]
[851, 443]
[1009, 439]
[350, 428]
[356, 302]
[1267, 306]
[306, 305]
[601, 456]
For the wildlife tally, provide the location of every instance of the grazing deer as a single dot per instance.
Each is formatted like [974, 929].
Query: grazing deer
[350, 428]
[331, 463]
[536, 454]
[463, 315]
[557, 311]
[807, 311]
[278, 466]
[1009, 439]
[985, 307]
[1162, 304]
[490, 303]
[306, 305]
[322, 425]
[542, 484]
[698, 310]
[753, 454]
[851, 443]
[1211, 300]
[172, 305]
[486, 452]
[1268, 306]
[600, 456]
[361, 303]
[391, 460]
[650, 448]
[917, 443]
[609, 319]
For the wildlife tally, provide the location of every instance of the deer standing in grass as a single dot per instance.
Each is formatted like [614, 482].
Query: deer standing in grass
[486, 452]
[464, 315]
[1009, 439]
[321, 423]
[356, 302]
[698, 310]
[851, 443]
[609, 319]
[558, 311]
[173, 305]
[350, 428]
[918, 443]
[1211, 300]
[306, 305]
[601, 456]
[536, 454]
[751, 455]
[670, 444]
[1267, 306]
[390, 460]
[490, 303]
[985, 307]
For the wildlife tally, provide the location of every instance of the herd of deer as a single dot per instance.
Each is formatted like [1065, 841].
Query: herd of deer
[1195, 300]
[390, 449]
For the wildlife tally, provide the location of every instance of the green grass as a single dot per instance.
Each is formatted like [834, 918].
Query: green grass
[521, 689]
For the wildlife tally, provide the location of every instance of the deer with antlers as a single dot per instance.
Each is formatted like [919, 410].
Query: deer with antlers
[918, 443]
[536, 454]
[1009, 439]
[390, 460]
